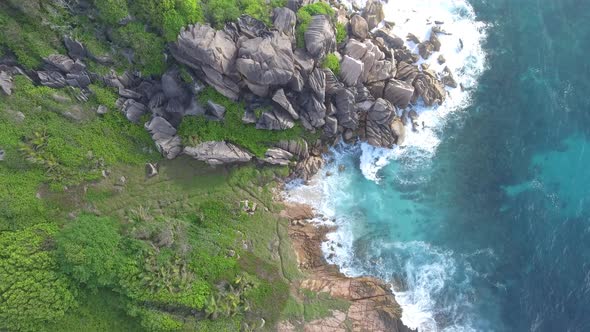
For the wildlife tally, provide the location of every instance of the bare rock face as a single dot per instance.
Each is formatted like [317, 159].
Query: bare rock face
[218, 153]
[346, 112]
[75, 48]
[284, 20]
[133, 110]
[359, 27]
[308, 167]
[213, 52]
[251, 27]
[319, 37]
[350, 70]
[447, 78]
[375, 66]
[399, 93]
[6, 84]
[275, 120]
[52, 79]
[281, 99]
[266, 61]
[297, 148]
[276, 156]
[427, 86]
[214, 110]
[164, 135]
[378, 125]
[201, 45]
[373, 13]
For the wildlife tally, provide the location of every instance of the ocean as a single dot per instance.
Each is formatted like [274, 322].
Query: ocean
[481, 221]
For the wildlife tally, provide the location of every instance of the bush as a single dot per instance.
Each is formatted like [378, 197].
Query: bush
[220, 12]
[341, 32]
[33, 292]
[304, 15]
[331, 62]
[168, 16]
[88, 250]
[148, 47]
[112, 11]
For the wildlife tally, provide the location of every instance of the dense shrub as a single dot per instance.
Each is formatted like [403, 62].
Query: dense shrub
[220, 12]
[112, 11]
[88, 250]
[32, 291]
[168, 16]
[341, 32]
[147, 46]
[331, 62]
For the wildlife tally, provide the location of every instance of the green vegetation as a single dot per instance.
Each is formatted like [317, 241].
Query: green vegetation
[320, 305]
[87, 242]
[341, 32]
[112, 11]
[26, 38]
[58, 142]
[304, 15]
[169, 16]
[331, 62]
[148, 47]
[32, 290]
[194, 130]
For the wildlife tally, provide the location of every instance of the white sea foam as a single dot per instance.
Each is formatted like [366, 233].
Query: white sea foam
[426, 269]
[464, 55]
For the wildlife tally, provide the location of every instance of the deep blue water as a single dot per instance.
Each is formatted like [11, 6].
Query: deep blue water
[492, 232]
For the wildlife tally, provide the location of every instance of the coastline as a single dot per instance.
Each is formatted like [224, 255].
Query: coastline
[373, 305]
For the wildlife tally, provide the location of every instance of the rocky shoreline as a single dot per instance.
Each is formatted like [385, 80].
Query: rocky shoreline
[373, 306]
[369, 99]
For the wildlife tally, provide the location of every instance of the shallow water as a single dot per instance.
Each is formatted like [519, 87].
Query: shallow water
[482, 221]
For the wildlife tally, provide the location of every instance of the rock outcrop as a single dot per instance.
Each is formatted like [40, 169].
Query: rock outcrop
[319, 37]
[217, 153]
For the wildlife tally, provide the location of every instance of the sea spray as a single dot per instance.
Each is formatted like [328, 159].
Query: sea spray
[420, 272]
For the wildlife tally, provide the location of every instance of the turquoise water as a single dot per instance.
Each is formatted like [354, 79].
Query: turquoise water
[490, 231]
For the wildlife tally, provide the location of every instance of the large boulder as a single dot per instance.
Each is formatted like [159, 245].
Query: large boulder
[346, 112]
[399, 93]
[427, 86]
[200, 45]
[284, 20]
[251, 27]
[297, 147]
[218, 153]
[133, 110]
[373, 13]
[308, 167]
[52, 79]
[214, 110]
[350, 70]
[281, 99]
[212, 52]
[377, 127]
[6, 84]
[359, 27]
[275, 120]
[447, 78]
[266, 61]
[276, 156]
[389, 38]
[319, 37]
[164, 136]
[75, 48]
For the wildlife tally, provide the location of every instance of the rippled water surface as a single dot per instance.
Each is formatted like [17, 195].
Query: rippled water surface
[482, 221]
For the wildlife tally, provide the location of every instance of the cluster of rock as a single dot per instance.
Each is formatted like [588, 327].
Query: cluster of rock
[370, 99]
